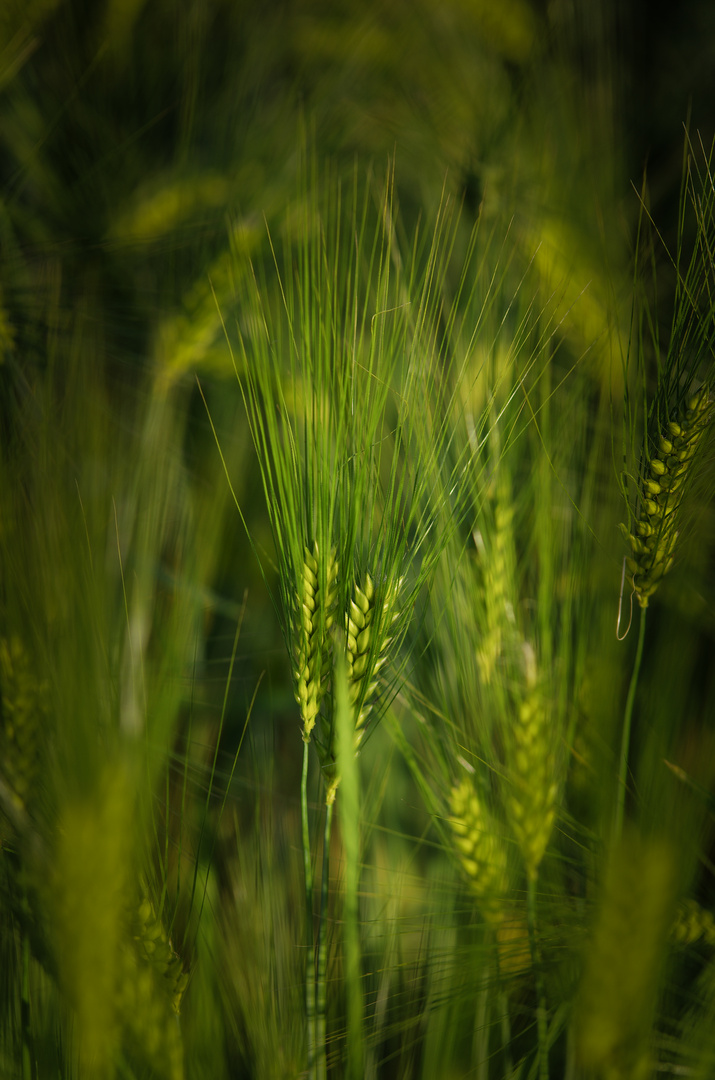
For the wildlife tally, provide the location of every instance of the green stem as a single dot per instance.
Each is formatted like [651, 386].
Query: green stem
[626, 736]
[322, 957]
[310, 961]
[505, 1026]
[480, 1039]
[541, 1015]
[25, 1011]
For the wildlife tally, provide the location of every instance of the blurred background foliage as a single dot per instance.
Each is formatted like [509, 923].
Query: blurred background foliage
[143, 145]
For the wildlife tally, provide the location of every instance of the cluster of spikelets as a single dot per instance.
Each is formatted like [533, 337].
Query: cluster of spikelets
[150, 988]
[693, 924]
[22, 718]
[530, 798]
[114, 960]
[313, 623]
[498, 574]
[480, 849]
[154, 946]
[369, 619]
[617, 998]
[531, 801]
[654, 537]
[360, 630]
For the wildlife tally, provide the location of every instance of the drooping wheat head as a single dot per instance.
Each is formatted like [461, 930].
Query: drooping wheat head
[660, 493]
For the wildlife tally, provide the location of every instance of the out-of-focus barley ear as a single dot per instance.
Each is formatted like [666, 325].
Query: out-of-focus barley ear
[150, 1026]
[654, 534]
[23, 718]
[313, 621]
[480, 850]
[149, 994]
[498, 562]
[513, 945]
[156, 947]
[615, 1006]
[693, 924]
[86, 905]
[531, 800]
[372, 613]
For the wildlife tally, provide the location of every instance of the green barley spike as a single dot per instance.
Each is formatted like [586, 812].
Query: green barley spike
[22, 719]
[313, 620]
[361, 625]
[150, 1025]
[480, 850]
[531, 802]
[155, 947]
[655, 534]
[499, 576]
[692, 924]
[617, 1001]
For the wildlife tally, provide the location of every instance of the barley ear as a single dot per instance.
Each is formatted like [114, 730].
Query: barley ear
[531, 803]
[312, 623]
[23, 716]
[654, 537]
[693, 923]
[151, 1031]
[368, 624]
[498, 578]
[155, 946]
[149, 995]
[86, 910]
[616, 1002]
[480, 850]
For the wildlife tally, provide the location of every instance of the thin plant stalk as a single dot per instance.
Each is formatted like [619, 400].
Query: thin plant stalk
[480, 1051]
[310, 960]
[321, 996]
[505, 1027]
[626, 735]
[504, 1020]
[541, 1016]
[25, 1006]
[350, 835]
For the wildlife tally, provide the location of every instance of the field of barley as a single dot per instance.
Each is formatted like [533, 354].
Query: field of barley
[357, 540]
